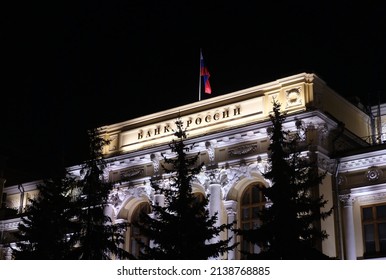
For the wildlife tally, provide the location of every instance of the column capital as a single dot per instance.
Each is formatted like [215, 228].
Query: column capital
[230, 206]
[347, 199]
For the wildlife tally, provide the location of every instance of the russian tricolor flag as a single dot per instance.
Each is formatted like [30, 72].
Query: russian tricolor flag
[205, 74]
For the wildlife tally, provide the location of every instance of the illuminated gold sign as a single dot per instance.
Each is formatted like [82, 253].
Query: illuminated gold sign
[192, 122]
[198, 124]
[226, 113]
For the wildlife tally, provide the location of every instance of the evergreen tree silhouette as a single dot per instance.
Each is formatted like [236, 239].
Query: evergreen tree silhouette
[97, 236]
[44, 231]
[289, 226]
[182, 229]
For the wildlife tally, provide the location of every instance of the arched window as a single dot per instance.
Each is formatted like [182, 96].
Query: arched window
[252, 202]
[135, 234]
[199, 202]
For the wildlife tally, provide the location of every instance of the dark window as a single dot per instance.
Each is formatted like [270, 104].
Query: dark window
[136, 236]
[252, 202]
[374, 230]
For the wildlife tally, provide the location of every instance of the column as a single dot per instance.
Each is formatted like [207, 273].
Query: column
[348, 223]
[231, 207]
[215, 206]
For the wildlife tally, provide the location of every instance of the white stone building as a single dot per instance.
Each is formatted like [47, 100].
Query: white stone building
[230, 133]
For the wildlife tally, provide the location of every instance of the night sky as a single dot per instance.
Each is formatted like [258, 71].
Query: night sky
[70, 66]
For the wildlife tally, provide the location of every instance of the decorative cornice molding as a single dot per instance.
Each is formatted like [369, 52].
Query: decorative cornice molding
[8, 226]
[363, 162]
[372, 197]
[361, 178]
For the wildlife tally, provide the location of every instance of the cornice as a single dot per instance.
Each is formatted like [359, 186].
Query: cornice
[25, 187]
[211, 102]
[362, 161]
[9, 225]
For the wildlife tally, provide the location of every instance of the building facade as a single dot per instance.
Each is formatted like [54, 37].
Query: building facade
[230, 134]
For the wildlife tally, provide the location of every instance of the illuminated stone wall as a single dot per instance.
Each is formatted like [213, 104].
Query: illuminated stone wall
[230, 134]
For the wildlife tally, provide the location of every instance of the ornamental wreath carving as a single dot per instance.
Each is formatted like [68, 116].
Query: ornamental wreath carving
[373, 174]
[293, 97]
[242, 150]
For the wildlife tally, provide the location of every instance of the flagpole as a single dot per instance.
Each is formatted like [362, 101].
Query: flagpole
[199, 78]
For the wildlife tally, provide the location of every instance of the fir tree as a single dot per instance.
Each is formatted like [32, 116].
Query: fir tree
[44, 231]
[289, 226]
[183, 228]
[97, 237]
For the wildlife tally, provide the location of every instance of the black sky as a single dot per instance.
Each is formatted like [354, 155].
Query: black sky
[70, 66]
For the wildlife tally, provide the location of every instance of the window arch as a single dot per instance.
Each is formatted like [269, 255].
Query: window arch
[252, 202]
[199, 197]
[135, 232]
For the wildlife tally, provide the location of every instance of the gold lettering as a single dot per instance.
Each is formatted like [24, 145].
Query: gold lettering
[166, 128]
[192, 120]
